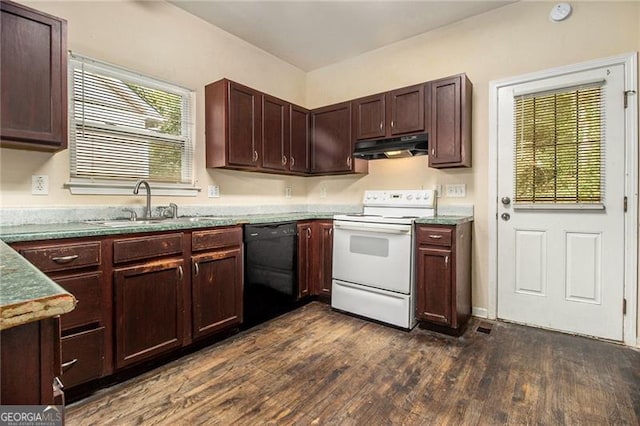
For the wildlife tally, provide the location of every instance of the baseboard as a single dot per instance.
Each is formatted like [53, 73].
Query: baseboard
[479, 312]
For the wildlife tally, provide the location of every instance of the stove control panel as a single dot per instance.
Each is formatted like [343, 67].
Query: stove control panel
[400, 198]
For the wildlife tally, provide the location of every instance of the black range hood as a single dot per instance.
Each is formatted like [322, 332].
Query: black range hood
[400, 147]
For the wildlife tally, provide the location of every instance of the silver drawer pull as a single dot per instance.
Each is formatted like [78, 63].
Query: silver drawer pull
[65, 259]
[67, 365]
[435, 237]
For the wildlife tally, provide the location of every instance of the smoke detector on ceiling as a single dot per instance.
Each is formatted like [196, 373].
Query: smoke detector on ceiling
[560, 12]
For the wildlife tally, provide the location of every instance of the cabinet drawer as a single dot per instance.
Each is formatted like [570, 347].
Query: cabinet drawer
[434, 236]
[64, 256]
[82, 357]
[139, 248]
[216, 238]
[87, 289]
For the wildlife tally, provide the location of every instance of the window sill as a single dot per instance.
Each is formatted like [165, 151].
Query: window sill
[126, 188]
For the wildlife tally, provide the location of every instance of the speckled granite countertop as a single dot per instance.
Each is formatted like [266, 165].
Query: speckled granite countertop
[26, 294]
[12, 234]
[444, 220]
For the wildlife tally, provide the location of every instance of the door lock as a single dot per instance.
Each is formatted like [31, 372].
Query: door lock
[506, 201]
[505, 216]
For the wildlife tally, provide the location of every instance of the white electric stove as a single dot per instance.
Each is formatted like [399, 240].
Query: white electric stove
[373, 252]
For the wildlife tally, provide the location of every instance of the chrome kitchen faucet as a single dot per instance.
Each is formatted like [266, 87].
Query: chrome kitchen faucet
[147, 212]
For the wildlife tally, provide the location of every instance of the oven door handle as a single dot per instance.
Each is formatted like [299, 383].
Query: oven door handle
[384, 228]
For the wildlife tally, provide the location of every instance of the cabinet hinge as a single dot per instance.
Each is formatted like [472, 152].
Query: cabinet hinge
[626, 96]
[625, 204]
[624, 306]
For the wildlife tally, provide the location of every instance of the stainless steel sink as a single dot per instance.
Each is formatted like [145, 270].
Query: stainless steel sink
[200, 218]
[123, 223]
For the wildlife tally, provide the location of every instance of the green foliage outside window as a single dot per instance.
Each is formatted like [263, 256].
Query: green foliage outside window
[558, 147]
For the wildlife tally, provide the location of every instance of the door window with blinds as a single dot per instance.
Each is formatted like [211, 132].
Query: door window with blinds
[559, 147]
[125, 126]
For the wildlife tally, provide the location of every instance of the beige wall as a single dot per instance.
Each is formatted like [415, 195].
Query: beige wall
[158, 39]
[161, 40]
[512, 40]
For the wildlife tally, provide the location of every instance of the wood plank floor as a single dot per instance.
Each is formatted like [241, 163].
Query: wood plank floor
[315, 366]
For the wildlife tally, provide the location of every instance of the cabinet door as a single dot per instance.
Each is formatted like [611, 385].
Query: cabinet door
[433, 285]
[149, 310]
[217, 291]
[275, 133]
[331, 139]
[33, 48]
[325, 255]
[450, 124]
[369, 117]
[299, 144]
[305, 257]
[244, 111]
[407, 110]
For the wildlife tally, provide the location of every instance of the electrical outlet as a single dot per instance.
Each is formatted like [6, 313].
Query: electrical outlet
[214, 191]
[323, 192]
[40, 185]
[438, 189]
[458, 190]
[287, 192]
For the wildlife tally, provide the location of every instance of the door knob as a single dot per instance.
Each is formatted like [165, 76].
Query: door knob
[505, 216]
[506, 201]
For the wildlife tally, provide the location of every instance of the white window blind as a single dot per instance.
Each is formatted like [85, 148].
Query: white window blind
[126, 126]
[559, 146]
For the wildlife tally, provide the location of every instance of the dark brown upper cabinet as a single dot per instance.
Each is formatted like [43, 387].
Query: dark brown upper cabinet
[395, 113]
[33, 93]
[332, 142]
[233, 125]
[299, 144]
[250, 130]
[449, 107]
[275, 133]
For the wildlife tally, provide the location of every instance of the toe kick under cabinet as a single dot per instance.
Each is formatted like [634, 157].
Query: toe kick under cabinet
[443, 276]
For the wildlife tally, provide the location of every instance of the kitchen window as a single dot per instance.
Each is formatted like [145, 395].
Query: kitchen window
[125, 126]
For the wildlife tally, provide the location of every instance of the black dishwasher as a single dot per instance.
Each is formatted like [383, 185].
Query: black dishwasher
[271, 284]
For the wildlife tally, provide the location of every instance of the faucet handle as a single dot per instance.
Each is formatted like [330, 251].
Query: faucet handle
[170, 211]
[132, 214]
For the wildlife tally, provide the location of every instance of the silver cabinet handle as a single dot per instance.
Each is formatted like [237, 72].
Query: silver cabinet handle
[330, 231]
[284, 160]
[308, 232]
[61, 260]
[255, 155]
[67, 365]
[392, 124]
[433, 151]
[293, 160]
[381, 125]
[196, 269]
[349, 161]
[506, 201]
[180, 273]
[446, 261]
[435, 237]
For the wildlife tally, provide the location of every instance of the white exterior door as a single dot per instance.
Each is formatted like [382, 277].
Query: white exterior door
[561, 262]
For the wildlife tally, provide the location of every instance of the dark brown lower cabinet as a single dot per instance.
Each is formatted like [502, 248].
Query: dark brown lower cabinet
[324, 258]
[305, 256]
[83, 357]
[315, 255]
[148, 310]
[443, 275]
[216, 291]
[30, 363]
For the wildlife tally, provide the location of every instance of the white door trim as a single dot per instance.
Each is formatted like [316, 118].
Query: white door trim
[630, 63]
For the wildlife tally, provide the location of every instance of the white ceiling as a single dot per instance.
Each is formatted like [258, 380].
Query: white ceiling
[313, 34]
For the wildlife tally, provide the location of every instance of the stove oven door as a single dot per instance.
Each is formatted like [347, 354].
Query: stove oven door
[373, 254]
